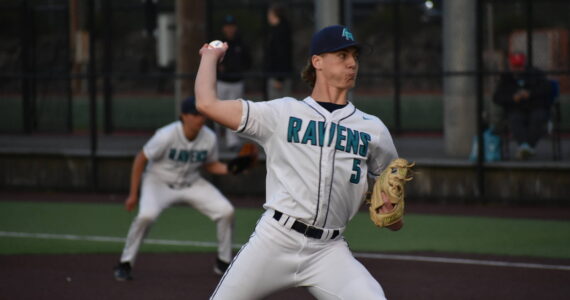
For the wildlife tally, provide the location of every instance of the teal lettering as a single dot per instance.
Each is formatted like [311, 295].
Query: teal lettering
[293, 130]
[201, 156]
[172, 154]
[322, 130]
[352, 140]
[331, 133]
[355, 178]
[347, 139]
[183, 155]
[365, 138]
[310, 134]
[187, 155]
[340, 137]
[192, 156]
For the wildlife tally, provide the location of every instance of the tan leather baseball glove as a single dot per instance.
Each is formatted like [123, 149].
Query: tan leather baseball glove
[391, 181]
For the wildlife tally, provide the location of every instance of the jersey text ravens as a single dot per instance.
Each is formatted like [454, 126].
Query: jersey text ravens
[347, 139]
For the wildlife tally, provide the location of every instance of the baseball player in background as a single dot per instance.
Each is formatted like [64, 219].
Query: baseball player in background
[319, 152]
[172, 158]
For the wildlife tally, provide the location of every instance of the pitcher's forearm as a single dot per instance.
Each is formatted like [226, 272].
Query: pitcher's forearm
[228, 112]
[205, 84]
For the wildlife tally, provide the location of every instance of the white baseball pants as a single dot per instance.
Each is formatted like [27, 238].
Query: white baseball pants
[277, 258]
[156, 196]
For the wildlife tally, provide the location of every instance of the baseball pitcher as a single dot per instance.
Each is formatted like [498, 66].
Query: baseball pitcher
[320, 151]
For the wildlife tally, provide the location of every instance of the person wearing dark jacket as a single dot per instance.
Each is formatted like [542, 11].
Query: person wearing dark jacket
[230, 80]
[525, 95]
[278, 53]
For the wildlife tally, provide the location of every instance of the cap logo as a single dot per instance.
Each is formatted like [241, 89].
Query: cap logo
[347, 35]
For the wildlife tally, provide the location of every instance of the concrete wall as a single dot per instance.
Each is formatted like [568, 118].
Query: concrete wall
[504, 183]
[444, 182]
[74, 173]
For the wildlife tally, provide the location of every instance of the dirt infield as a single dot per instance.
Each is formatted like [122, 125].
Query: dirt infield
[190, 276]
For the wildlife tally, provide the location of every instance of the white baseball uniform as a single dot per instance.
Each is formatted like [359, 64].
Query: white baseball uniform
[172, 175]
[317, 167]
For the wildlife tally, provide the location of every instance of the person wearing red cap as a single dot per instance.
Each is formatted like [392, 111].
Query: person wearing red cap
[525, 95]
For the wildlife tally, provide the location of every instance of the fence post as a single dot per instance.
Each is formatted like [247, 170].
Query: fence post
[92, 82]
[397, 76]
[479, 111]
[108, 66]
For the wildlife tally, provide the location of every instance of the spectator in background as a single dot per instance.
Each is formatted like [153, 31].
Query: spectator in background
[278, 53]
[525, 95]
[230, 84]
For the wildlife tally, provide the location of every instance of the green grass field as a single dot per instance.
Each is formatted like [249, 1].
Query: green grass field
[436, 233]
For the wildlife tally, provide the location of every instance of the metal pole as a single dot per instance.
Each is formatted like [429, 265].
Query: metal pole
[108, 66]
[68, 66]
[190, 22]
[529, 27]
[397, 82]
[347, 21]
[209, 20]
[347, 16]
[25, 40]
[326, 13]
[92, 92]
[264, 86]
[33, 113]
[459, 52]
[479, 89]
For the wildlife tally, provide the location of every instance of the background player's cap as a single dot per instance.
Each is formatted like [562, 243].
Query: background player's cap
[229, 19]
[189, 106]
[331, 39]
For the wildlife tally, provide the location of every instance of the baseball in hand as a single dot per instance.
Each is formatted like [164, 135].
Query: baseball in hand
[215, 44]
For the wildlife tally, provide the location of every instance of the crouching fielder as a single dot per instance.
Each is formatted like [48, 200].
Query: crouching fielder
[173, 158]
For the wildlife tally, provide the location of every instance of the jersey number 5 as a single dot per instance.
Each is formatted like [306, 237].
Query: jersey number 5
[355, 177]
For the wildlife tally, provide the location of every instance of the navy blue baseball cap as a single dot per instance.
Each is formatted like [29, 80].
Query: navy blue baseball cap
[331, 39]
[189, 106]
[229, 19]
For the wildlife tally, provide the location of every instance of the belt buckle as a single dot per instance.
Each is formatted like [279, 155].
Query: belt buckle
[318, 233]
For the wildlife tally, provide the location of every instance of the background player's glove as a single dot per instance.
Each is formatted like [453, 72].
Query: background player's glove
[391, 182]
[245, 160]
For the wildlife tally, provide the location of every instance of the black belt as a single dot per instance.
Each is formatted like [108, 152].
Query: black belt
[304, 229]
